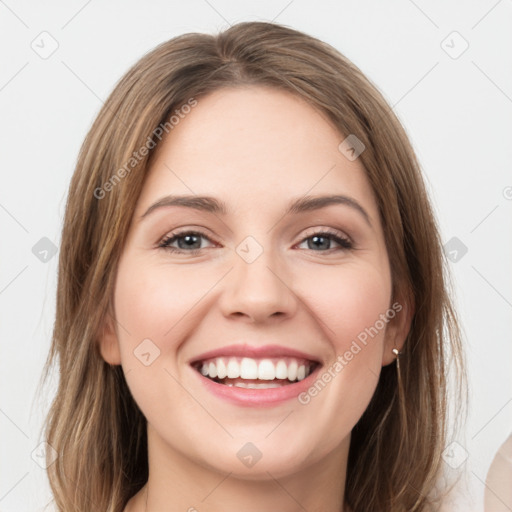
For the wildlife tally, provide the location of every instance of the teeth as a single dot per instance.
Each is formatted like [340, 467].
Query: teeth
[281, 370]
[292, 370]
[251, 369]
[212, 370]
[266, 370]
[233, 369]
[222, 371]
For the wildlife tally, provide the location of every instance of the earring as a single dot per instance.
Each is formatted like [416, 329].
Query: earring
[397, 355]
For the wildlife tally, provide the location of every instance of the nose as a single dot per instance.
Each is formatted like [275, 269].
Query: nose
[258, 291]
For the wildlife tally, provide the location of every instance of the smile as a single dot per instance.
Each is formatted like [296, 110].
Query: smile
[251, 373]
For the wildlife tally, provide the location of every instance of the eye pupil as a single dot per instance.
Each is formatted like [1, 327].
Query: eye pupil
[189, 240]
[316, 238]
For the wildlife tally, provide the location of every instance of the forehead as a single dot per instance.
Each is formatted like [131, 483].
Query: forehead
[256, 144]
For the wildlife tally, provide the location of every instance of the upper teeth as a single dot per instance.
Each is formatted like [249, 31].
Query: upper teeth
[248, 368]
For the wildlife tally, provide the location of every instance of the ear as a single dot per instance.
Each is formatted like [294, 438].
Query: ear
[398, 327]
[108, 342]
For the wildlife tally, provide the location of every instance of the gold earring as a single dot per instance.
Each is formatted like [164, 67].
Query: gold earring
[397, 355]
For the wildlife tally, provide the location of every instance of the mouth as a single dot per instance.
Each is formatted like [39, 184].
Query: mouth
[256, 373]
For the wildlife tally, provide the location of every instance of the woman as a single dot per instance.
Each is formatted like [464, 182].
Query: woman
[252, 308]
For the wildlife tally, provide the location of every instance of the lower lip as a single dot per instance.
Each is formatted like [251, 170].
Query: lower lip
[258, 397]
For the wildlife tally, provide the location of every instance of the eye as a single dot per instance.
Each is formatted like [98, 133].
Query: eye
[320, 239]
[188, 241]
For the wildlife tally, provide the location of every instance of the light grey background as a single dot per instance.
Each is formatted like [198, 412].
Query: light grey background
[455, 108]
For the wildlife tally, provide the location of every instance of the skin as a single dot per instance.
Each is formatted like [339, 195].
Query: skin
[256, 149]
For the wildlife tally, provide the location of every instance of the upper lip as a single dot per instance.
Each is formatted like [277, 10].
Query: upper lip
[255, 352]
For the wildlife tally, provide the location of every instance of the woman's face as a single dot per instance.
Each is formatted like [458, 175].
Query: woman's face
[314, 281]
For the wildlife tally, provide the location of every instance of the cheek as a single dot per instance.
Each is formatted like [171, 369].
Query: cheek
[350, 302]
[154, 308]
[152, 301]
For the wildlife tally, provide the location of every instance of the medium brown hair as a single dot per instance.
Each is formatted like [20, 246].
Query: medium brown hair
[94, 424]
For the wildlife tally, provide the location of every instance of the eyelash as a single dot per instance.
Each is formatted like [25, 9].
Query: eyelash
[345, 243]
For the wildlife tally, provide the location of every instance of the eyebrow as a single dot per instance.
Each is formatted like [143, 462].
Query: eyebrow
[213, 205]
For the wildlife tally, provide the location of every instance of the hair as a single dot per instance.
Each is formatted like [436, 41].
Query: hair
[94, 423]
